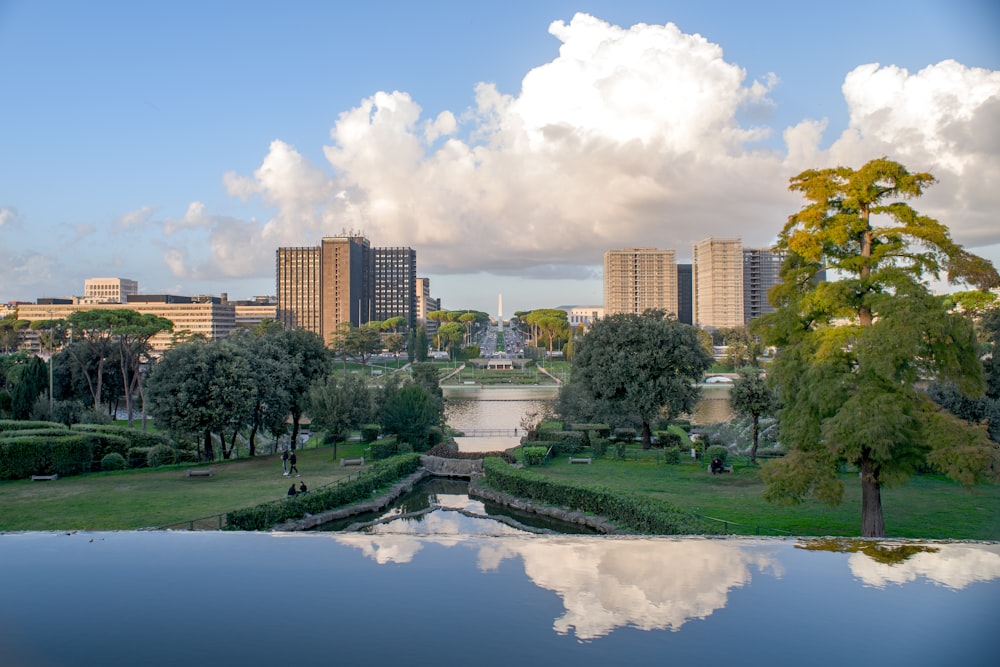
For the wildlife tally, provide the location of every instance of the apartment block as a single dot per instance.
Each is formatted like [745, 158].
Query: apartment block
[684, 294]
[396, 285]
[761, 272]
[717, 283]
[109, 290]
[637, 279]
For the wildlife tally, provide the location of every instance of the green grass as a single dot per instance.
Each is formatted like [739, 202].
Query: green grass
[928, 506]
[154, 498]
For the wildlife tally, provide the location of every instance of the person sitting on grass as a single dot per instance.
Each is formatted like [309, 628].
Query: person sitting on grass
[302, 487]
[291, 490]
[717, 466]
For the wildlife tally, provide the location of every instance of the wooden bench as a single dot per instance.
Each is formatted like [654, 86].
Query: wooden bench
[352, 462]
[200, 472]
[44, 478]
[580, 460]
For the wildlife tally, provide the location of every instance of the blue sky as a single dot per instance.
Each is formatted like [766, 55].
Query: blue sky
[510, 144]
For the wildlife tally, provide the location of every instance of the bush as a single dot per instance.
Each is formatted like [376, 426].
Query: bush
[624, 434]
[383, 449]
[13, 425]
[113, 461]
[603, 430]
[138, 457]
[630, 511]
[161, 455]
[378, 475]
[717, 452]
[672, 456]
[668, 439]
[369, 432]
[534, 456]
[599, 447]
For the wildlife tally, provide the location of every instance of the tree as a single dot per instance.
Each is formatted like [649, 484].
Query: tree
[271, 369]
[641, 365]
[133, 333]
[339, 404]
[451, 333]
[310, 360]
[751, 397]
[420, 351]
[10, 332]
[93, 329]
[395, 343]
[199, 389]
[410, 414]
[848, 393]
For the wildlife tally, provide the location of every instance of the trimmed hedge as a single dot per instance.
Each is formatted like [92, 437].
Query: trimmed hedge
[603, 430]
[14, 425]
[378, 475]
[649, 516]
[136, 437]
[565, 442]
[717, 451]
[534, 456]
[63, 452]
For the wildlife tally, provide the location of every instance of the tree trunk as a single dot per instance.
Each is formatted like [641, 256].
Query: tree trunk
[647, 436]
[871, 499]
[756, 429]
[209, 452]
[253, 440]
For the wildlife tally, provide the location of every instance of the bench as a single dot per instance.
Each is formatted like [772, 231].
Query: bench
[200, 472]
[580, 460]
[44, 478]
[352, 462]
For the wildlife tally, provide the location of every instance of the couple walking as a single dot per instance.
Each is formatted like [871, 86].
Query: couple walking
[288, 461]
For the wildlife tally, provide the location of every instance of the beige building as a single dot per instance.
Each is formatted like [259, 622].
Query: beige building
[637, 279]
[717, 282]
[212, 319]
[109, 290]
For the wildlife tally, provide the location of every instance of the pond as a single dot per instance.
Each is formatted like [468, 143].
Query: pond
[164, 599]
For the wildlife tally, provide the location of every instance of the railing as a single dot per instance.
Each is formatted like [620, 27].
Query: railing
[490, 433]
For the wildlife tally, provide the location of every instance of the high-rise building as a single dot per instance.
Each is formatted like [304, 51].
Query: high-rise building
[109, 290]
[396, 285]
[717, 283]
[320, 288]
[761, 272]
[684, 295]
[637, 279]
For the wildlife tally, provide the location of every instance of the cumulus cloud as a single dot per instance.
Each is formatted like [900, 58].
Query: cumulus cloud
[629, 137]
[137, 218]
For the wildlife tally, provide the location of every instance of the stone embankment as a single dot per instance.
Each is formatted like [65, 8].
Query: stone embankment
[436, 466]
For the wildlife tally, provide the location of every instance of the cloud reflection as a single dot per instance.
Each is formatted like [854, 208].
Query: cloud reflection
[953, 566]
[607, 583]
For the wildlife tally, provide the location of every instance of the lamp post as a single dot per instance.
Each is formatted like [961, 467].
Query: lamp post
[51, 361]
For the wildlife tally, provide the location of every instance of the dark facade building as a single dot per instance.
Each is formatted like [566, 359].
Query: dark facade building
[685, 304]
[396, 285]
[761, 272]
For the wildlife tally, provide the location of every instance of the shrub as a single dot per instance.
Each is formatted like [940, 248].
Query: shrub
[161, 455]
[138, 457]
[383, 449]
[624, 434]
[369, 432]
[113, 461]
[599, 447]
[72, 454]
[668, 439]
[534, 456]
[672, 456]
[603, 430]
[717, 451]
[683, 424]
[13, 425]
[630, 511]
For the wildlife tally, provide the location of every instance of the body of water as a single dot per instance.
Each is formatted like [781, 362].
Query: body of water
[162, 599]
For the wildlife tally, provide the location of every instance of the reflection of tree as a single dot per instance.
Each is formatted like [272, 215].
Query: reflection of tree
[950, 565]
[880, 552]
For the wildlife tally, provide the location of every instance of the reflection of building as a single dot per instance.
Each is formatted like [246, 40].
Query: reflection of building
[322, 287]
[717, 283]
[396, 285]
[109, 290]
[637, 279]
[761, 272]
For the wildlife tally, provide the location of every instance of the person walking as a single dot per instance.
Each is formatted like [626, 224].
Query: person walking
[291, 464]
[284, 462]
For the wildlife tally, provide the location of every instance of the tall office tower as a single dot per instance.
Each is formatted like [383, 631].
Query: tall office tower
[636, 279]
[684, 295]
[298, 284]
[396, 285]
[717, 283]
[761, 272]
[319, 288]
[109, 290]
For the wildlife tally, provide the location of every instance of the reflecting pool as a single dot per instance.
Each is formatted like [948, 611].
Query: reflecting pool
[162, 598]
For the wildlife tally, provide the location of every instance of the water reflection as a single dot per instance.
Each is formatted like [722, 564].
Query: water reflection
[161, 598]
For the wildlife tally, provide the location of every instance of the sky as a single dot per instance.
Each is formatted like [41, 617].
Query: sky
[510, 144]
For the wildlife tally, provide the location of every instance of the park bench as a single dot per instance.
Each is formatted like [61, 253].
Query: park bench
[200, 472]
[44, 478]
[581, 459]
[352, 462]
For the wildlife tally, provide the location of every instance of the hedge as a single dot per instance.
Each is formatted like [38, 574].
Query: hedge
[641, 514]
[136, 437]
[14, 425]
[43, 452]
[603, 430]
[378, 475]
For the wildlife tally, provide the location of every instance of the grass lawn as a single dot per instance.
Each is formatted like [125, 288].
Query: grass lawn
[155, 498]
[928, 506]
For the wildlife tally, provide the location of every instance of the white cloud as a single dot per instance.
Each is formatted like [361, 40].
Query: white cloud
[954, 566]
[629, 137]
[137, 218]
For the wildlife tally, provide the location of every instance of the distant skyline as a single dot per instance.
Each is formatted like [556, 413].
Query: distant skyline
[180, 144]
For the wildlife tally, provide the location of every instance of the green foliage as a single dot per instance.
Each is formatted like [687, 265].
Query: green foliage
[565, 442]
[668, 439]
[14, 425]
[852, 350]
[383, 449]
[138, 457]
[637, 366]
[534, 456]
[630, 511]
[161, 455]
[672, 456]
[717, 452]
[410, 414]
[624, 435]
[369, 480]
[369, 432]
[602, 430]
[113, 461]
[599, 446]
